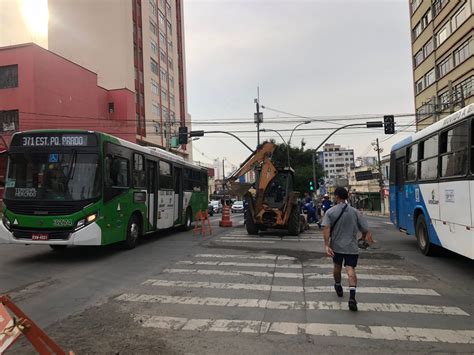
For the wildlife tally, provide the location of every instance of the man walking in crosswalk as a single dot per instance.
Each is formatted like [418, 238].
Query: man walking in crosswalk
[341, 226]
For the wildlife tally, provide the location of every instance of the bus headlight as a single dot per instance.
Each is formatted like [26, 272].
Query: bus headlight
[6, 222]
[85, 221]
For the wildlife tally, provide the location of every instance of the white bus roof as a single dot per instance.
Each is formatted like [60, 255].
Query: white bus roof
[435, 127]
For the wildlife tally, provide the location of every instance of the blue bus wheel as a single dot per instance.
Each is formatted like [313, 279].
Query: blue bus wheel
[422, 236]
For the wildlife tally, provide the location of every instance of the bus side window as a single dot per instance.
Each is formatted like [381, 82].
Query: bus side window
[116, 172]
[108, 171]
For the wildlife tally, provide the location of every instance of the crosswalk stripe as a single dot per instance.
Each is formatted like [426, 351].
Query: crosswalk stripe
[246, 241]
[292, 289]
[266, 265]
[318, 329]
[231, 263]
[245, 256]
[272, 239]
[291, 305]
[288, 275]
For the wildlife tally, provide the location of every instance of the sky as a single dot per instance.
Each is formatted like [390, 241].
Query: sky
[328, 59]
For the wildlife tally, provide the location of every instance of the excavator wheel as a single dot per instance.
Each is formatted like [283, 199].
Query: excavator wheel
[252, 228]
[294, 221]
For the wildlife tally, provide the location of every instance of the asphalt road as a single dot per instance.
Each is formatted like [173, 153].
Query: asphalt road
[232, 293]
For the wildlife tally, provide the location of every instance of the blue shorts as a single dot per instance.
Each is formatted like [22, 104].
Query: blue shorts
[349, 259]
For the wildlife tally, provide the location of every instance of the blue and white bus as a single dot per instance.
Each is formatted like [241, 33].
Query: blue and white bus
[432, 184]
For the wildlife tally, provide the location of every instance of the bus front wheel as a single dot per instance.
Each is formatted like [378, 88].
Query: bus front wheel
[133, 232]
[422, 236]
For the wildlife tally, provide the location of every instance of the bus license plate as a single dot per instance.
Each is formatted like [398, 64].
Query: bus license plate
[39, 236]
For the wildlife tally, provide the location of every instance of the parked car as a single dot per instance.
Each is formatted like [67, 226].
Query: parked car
[217, 205]
[238, 206]
[210, 210]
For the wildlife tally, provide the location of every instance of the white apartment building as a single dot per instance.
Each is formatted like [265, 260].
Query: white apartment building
[336, 161]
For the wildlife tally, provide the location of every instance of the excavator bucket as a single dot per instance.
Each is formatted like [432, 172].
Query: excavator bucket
[240, 188]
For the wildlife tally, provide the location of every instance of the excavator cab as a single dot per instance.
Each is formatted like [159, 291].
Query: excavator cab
[276, 193]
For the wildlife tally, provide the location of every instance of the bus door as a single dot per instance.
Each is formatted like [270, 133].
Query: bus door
[178, 195]
[152, 193]
[400, 193]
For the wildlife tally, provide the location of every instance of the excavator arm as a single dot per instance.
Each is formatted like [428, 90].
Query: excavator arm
[262, 156]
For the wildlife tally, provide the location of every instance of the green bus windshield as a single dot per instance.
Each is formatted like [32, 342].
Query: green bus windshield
[50, 176]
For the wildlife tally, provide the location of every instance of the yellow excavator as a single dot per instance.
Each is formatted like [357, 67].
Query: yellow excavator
[272, 203]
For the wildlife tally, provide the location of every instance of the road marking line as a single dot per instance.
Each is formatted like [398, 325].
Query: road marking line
[293, 289]
[245, 256]
[365, 277]
[390, 223]
[245, 241]
[291, 305]
[266, 265]
[288, 275]
[318, 329]
[272, 239]
[232, 263]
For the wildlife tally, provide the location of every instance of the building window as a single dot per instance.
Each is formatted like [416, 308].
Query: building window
[438, 5]
[163, 75]
[426, 19]
[462, 53]
[171, 81]
[172, 99]
[154, 47]
[9, 121]
[170, 63]
[165, 113]
[170, 46]
[154, 66]
[419, 57]
[459, 18]
[168, 9]
[445, 66]
[162, 56]
[162, 37]
[443, 34]
[168, 26]
[430, 78]
[153, 28]
[164, 96]
[155, 109]
[9, 76]
[419, 86]
[154, 87]
[161, 18]
[417, 30]
[428, 48]
[414, 5]
[153, 7]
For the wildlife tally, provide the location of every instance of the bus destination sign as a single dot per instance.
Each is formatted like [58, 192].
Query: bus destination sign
[54, 140]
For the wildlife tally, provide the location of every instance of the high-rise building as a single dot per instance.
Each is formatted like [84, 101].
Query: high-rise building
[130, 44]
[336, 161]
[443, 62]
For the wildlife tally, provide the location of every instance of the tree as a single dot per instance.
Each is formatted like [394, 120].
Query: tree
[301, 161]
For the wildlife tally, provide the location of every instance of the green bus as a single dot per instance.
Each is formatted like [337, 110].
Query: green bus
[71, 187]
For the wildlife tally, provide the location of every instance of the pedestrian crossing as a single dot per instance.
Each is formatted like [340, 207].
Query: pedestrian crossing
[240, 236]
[265, 294]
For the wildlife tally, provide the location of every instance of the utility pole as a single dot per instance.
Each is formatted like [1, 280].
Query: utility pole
[258, 116]
[314, 173]
[381, 184]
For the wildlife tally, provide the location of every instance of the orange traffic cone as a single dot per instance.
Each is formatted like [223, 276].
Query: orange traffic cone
[225, 221]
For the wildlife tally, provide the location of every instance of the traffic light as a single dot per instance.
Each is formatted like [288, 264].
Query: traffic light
[183, 135]
[311, 185]
[389, 124]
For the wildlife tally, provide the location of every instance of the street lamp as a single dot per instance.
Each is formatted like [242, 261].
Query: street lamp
[274, 130]
[291, 135]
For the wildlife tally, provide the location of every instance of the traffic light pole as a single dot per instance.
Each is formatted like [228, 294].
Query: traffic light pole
[381, 184]
[202, 133]
[372, 124]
